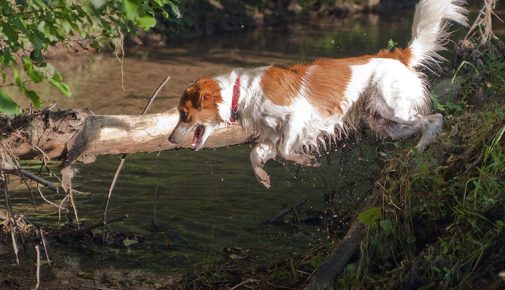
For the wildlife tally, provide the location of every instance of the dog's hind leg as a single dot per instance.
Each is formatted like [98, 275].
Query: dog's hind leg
[261, 153]
[430, 126]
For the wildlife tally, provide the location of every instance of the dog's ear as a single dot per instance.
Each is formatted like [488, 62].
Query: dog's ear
[192, 94]
[209, 93]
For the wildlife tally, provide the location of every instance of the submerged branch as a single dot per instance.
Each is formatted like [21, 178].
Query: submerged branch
[335, 263]
[31, 176]
[78, 231]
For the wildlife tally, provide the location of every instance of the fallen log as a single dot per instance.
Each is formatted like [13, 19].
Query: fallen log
[335, 262]
[74, 135]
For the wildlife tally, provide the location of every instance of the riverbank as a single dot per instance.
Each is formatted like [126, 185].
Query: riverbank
[211, 17]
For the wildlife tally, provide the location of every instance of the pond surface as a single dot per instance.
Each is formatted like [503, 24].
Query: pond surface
[204, 202]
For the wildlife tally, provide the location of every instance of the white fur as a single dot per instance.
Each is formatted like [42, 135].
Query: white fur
[429, 29]
[391, 95]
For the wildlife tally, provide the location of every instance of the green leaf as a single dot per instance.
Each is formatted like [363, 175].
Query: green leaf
[34, 97]
[37, 42]
[131, 7]
[369, 216]
[146, 22]
[10, 32]
[387, 226]
[392, 45]
[17, 77]
[57, 81]
[37, 56]
[7, 105]
[36, 76]
[20, 25]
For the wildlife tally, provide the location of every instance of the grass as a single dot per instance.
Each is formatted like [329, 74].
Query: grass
[442, 213]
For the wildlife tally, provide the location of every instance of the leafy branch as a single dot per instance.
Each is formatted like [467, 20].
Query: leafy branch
[29, 27]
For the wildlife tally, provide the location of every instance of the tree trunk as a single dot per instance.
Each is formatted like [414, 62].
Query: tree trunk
[80, 136]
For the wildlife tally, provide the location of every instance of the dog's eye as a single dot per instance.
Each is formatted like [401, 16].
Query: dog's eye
[184, 115]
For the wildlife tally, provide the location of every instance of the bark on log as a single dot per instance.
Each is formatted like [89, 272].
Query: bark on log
[80, 136]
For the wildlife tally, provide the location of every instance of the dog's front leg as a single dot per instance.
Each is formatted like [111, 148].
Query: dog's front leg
[261, 153]
[288, 148]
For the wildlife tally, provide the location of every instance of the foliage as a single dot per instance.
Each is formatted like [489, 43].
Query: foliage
[442, 217]
[29, 27]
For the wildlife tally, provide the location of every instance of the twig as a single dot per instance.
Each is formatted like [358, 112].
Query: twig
[31, 176]
[121, 60]
[286, 210]
[67, 174]
[155, 94]
[123, 156]
[94, 226]
[61, 207]
[72, 202]
[484, 23]
[15, 244]
[37, 249]
[47, 200]
[111, 188]
[244, 283]
[44, 243]
[10, 216]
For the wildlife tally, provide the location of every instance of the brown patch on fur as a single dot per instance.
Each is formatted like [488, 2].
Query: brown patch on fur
[281, 85]
[328, 80]
[200, 101]
[403, 55]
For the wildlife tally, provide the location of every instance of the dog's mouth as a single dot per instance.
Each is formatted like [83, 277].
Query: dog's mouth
[198, 137]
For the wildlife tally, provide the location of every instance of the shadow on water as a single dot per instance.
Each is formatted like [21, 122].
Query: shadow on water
[205, 202]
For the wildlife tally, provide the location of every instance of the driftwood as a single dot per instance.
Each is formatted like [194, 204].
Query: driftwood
[324, 277]
[80, 136]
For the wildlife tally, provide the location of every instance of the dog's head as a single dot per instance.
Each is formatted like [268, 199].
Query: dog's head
[198, 110]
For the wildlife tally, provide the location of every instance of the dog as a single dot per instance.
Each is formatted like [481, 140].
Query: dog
[295, 110]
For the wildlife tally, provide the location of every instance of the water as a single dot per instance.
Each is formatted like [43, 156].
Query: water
[205, 202]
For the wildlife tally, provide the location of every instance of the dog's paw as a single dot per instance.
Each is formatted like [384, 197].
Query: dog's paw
[262, 176]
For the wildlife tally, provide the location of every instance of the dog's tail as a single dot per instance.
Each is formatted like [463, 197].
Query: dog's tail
[430, 29]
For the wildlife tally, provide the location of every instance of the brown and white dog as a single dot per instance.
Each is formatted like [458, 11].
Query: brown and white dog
[294, 110]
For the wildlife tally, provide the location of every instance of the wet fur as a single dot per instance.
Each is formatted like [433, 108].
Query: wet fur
[295, 110]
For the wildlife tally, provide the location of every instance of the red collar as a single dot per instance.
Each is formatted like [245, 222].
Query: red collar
[234, 101]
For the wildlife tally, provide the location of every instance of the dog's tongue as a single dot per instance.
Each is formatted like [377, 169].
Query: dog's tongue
[197, 136]
[195, 140]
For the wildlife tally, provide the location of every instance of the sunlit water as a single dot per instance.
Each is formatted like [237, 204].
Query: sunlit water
[204, 202]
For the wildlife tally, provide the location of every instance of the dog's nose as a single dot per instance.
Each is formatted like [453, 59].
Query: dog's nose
[171, 138]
